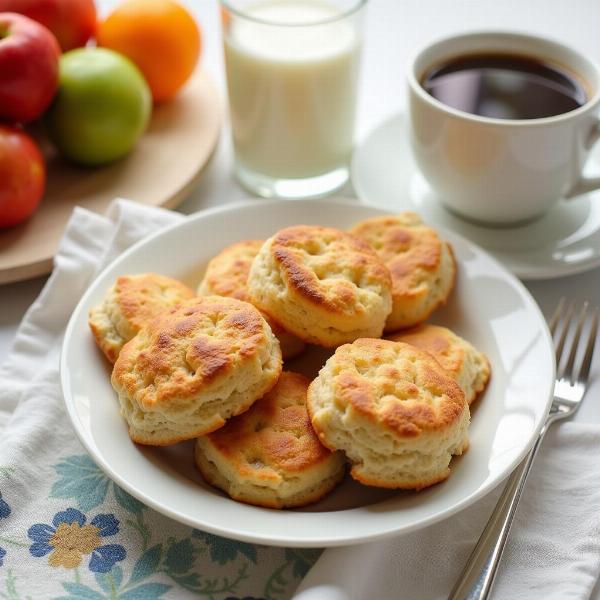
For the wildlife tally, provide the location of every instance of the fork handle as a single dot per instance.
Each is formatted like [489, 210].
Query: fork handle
[477, 578]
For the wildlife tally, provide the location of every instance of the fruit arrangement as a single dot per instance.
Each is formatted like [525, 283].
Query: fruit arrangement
[90, 84]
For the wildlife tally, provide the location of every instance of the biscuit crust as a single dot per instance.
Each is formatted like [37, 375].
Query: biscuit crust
[324, 285]
[421, 264]
[469, 367]
[270, 456]
[393, 410]
[129, 304]
[227, 275]
[193, 367]
[227, 272]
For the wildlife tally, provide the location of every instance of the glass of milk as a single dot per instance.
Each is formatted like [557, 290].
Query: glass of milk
[292, 73]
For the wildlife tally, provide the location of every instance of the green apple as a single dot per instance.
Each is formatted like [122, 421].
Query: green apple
[102, 106]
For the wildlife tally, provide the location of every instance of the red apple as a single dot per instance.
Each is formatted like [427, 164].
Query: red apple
[29, 56]
[22, 176]
[73, 22]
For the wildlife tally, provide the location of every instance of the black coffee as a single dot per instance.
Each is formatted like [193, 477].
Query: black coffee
[505, 86]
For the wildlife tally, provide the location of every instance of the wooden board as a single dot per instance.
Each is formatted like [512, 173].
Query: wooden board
[160, 171]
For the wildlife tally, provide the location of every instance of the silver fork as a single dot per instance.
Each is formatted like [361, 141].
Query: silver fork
[477, 578]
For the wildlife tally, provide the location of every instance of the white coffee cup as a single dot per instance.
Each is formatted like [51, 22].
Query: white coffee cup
[502, 171]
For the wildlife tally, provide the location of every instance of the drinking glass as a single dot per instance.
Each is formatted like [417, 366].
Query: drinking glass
[292, 74]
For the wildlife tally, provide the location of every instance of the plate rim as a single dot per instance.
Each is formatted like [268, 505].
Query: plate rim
[282, 540]
[544, 273]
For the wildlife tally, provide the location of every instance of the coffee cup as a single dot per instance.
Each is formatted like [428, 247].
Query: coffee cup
[495, 170]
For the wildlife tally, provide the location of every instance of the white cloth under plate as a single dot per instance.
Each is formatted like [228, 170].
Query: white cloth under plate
[67, 531]
[553, 552]
[114, 547]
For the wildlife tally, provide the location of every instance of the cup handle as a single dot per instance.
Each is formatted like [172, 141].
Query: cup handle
[587, 184]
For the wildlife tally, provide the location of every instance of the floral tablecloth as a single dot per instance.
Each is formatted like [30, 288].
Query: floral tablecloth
[96, 541]
[66, 530]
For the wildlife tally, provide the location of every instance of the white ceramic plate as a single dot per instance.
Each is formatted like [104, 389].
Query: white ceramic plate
[563, 242]
[489, 307]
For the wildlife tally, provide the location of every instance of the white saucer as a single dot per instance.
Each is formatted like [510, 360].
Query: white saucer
[563, 242]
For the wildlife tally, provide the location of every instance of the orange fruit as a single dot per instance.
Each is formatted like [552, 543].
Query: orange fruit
[160, 37]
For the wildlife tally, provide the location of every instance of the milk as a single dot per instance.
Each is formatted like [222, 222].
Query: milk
[292, 89]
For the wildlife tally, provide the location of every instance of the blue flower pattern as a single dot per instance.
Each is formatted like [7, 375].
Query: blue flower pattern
[69, 538]
[4, 513]
[4, 508]
[184, 564]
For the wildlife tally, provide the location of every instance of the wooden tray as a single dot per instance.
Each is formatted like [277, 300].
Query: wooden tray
[160, 171]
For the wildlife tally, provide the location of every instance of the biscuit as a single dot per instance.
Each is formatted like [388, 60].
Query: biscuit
[130, 303]
[227, 275]
[393, 410]
[193, 367]
[469, 367]
[324, 285]
[422, 265]
[270, 456]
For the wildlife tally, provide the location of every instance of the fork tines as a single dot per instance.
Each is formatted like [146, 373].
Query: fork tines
[563, 326]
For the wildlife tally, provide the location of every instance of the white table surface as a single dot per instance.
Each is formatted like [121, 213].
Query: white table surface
[394, 29]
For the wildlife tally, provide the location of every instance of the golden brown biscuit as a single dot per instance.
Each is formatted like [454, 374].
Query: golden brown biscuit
[129, 304]
[270, 456]
[324, 285]
[421, 264]
[193, 367]
[227, 275]
[469, 367]
[393, 410]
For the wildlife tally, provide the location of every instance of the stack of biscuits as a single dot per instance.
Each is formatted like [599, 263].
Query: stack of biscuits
[208, 364]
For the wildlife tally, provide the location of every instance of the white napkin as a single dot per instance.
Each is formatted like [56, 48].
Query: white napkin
[66, 530]
[553, 551]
